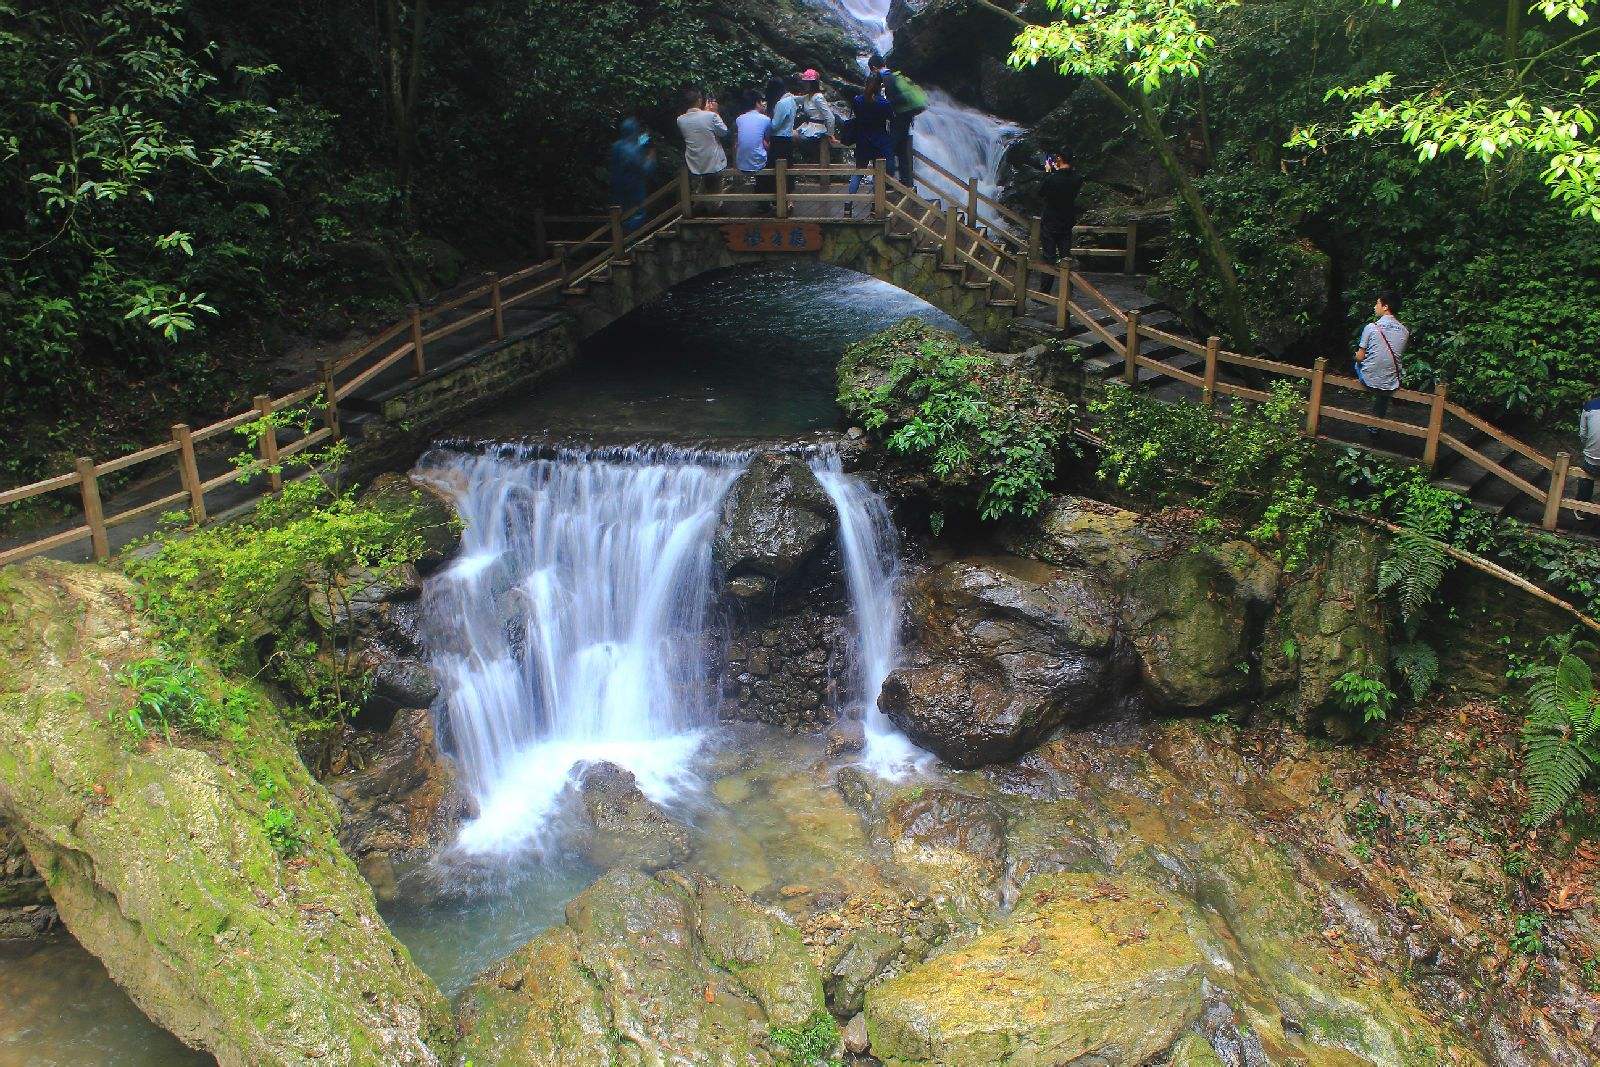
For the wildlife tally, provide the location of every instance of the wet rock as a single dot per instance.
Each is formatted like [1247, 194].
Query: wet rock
[668, 970]
[426, 509]
[1008, 651]
[856, 1041]
[1070, 531]
[1328, 622]
[775, 518]
[1084, 966]
[162, 863]
[846, 737]
[954, 842]
[25, 909]
[397, 794]
[359, 600]
[872, 954]
[398, 681]
[785, 668]
[626, 829]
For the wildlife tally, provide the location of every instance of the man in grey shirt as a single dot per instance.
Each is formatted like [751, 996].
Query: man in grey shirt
[1589, 458]
[703, 130]
[1378, 355]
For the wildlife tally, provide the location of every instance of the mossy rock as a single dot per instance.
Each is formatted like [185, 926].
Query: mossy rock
[1194, 1051]
[160, 862]
[428, 510]
[671, 969]
[1084, 965]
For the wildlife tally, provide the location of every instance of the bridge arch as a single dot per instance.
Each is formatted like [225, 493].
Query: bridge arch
[695, 247]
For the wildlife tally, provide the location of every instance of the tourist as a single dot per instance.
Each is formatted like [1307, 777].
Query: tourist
[633, 161]
[1378, 356]
[784, 112]
[750, 145]
[1589, 457]
[815, 119]
[908, 101]
[1058, 192]
[703, 130]
[871, 130]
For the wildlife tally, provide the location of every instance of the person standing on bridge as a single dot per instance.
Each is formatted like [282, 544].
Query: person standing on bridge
[750, 146]
[703, 130]
[633, 161]
[783, 107]
[871, 125]
[1378, 355]
[1059, 191]
[1589, 457]
[908, 101]
[815, 118]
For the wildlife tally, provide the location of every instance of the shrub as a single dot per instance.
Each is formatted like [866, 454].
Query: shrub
[1561, 734]
[170, 695]
[977, 427]
[809, 1045]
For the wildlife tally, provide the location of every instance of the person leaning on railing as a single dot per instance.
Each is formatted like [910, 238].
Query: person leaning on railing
[1378, 356]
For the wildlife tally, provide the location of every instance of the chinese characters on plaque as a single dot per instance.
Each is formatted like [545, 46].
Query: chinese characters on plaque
[773, 236]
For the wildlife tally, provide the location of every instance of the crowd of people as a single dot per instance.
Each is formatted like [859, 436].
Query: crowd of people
[789, 121]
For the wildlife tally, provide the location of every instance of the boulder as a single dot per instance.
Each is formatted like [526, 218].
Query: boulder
[625, 828]
[1008, 651]
[954, 842]
[873, 953]
[164, 863]
[1329, 621]
[775, 518]
[673, 969]
[397, 795]
[1194, 1051]
[427, 509]
[1193, 612]
[1105, 969]
[360, 600]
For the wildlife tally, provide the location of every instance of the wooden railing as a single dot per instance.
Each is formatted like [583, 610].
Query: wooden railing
[1004, 259]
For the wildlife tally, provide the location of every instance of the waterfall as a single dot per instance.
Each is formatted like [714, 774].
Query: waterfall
[869, 546]
[570, 627]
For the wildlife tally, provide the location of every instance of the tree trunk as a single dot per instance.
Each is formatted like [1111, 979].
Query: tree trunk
[404, 77]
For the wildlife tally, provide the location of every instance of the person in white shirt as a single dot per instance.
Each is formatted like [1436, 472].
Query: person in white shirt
[754, 129]
[703, 130]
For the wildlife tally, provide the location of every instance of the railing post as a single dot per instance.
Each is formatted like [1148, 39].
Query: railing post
[1064, 295]
[826, 159]
[189, 473]
[1319, 372]
[781, 189]
[618, 241]
[1130, 257]
[951, 222]
[419, 361]
[269, 443]
[1430, 448]
[541, 239]
[1130, 350]
[1558, 489]
[93, 515]
[1213, 346]
[498, 304]
[330, 397]
[685, 193]
[1036, 240]
[880, 189]
[1020, 265]
[972, 205]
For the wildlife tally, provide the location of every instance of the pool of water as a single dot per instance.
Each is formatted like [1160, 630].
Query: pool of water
[747, 352]
[59, 1008]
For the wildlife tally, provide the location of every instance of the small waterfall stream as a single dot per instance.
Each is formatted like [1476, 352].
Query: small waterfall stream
[570, 628]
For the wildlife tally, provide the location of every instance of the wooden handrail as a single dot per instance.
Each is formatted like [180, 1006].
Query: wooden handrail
[965, 244]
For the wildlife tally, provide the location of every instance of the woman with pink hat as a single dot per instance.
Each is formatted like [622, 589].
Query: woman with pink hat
[815, 118]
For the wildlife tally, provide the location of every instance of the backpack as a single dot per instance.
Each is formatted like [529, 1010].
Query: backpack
[905, 95]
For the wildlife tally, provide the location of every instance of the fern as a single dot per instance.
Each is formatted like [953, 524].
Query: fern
[1417, 664]
[1561, 734]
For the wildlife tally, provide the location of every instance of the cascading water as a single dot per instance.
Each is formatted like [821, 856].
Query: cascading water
[869, 546]
[570, 628]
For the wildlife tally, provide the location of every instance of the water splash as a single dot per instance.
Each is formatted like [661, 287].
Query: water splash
[869, 545]
[571, 627]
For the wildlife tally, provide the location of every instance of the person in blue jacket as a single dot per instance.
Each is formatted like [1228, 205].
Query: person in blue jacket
[633, 161]
[873, 141]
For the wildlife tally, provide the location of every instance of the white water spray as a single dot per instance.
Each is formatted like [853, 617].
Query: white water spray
[570, 628]
[869, 546]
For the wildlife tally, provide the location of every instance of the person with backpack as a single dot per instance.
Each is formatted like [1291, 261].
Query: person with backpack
[1378, 355]
[908, 100]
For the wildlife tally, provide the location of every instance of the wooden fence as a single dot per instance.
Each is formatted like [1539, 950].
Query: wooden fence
[953, 223]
